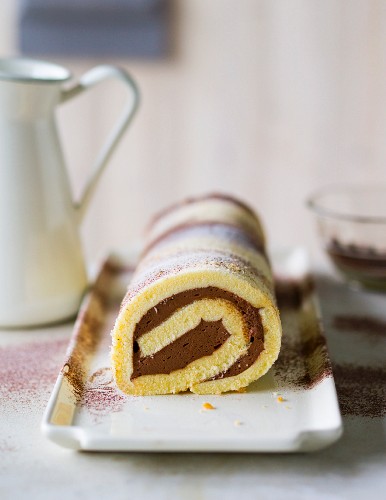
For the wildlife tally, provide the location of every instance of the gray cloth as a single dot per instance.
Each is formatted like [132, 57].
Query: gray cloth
[90, 6]
[132, 28]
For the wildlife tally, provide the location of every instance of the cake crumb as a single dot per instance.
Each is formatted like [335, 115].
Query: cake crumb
[146, 408]
[237, 423]
[208, 406]
[280, 399]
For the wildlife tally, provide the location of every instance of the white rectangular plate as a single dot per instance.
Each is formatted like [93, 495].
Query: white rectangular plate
[292, 408]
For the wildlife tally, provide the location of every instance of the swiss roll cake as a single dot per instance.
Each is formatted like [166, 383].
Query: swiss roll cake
[200, 311]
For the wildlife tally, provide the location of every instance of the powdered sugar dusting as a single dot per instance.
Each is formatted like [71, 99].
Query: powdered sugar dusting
[223, 231]
[185, 260]
[197, 199]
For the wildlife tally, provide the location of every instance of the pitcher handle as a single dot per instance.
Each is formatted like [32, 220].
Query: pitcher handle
[88, 80]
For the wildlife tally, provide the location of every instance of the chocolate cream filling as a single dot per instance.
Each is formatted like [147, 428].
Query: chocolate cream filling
[202, 341]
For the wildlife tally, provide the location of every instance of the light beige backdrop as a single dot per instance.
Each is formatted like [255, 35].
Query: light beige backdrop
[265, 99]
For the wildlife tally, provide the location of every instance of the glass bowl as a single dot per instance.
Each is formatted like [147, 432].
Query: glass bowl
[352, 225]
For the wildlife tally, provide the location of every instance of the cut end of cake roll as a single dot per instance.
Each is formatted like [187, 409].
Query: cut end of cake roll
[200, 312]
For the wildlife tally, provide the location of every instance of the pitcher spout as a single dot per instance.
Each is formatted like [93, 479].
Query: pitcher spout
[29, 88]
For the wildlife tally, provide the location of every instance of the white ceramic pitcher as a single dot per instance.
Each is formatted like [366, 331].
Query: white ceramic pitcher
[42, 272]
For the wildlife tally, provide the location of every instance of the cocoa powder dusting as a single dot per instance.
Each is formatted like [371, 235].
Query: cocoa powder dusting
[302, 365]
[303, 361]
[100, 397]
[28, 372]
[97, 394]
[361, 390]
[372, 328]
[7, 447]
[87, 332]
